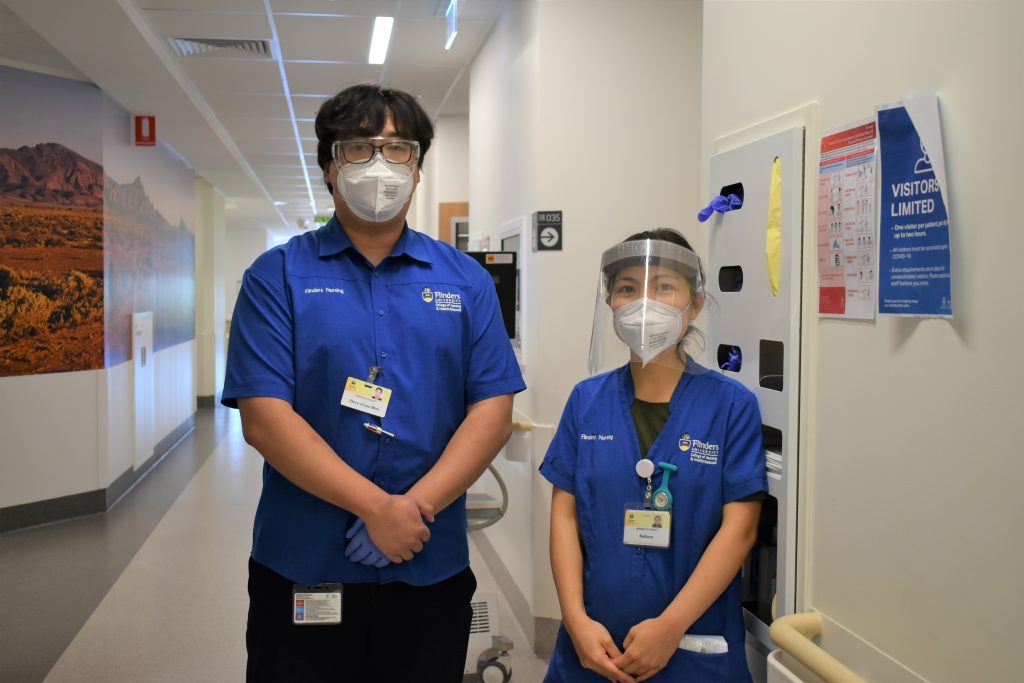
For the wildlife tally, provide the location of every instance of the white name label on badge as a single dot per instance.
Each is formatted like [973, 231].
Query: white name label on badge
[366, 397]
[650, 528]
[316, 608]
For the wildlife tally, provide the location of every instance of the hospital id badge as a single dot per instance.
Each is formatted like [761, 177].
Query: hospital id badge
[316, 605]
[648, 528]
[366, 397]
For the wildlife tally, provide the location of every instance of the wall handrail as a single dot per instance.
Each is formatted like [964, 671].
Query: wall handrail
[793, 634]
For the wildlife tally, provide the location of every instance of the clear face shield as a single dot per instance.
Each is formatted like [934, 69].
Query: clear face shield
[647, 294]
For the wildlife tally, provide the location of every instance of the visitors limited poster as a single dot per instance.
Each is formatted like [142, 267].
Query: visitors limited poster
[914, 259]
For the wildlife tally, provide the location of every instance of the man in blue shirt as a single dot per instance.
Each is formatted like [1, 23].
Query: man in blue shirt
[359, 568]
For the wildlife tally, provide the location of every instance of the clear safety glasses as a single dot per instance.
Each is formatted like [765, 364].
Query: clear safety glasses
[362, 150]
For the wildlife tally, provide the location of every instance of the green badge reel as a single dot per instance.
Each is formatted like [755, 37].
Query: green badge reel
[663, 497]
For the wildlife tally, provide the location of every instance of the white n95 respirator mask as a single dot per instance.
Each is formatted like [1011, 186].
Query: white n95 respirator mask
[375, 191]
[648, 327]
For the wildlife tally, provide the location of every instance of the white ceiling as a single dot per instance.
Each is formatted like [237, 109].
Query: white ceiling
[228, 114]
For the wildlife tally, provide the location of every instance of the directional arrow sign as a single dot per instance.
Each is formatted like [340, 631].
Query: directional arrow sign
[547, 231]
[549, 237]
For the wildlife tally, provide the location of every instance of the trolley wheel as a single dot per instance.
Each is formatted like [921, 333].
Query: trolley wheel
[494, 672]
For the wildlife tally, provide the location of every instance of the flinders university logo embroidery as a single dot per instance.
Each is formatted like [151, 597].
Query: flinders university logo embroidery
[427, 294]
[684, 442]
[704, 452]
[448, 301]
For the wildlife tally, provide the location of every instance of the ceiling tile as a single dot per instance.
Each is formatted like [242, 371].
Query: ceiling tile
[229, 76]
[431, 105]
[424, 81]
[266, 145]
[422, 42]
[273, 158]
[250, 127]
[328, 79]
[341, 39]
[240, 105]
[457, 103]
[19, 43]
[223, 5]
[361, 8]
[277, 166]
[306, 107]
[210, 24]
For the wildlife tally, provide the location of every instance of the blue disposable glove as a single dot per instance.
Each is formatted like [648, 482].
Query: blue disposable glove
[721, 205]
[735, 361]
[361, 549]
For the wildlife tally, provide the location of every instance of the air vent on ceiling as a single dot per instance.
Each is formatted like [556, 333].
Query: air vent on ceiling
[220, 47]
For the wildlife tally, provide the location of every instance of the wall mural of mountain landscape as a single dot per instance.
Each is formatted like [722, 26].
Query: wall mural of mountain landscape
[85, 244]
[51, 260]
[151, 268]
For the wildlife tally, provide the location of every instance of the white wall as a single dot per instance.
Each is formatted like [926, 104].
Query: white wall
[241, 247]
[49, 433]
[173, 383]
[72, 432]
[913, 440]
[210, 299]
[451, 145]
[422, 214]
[574, 106]
[503, 83]
[445, 173]
[116, 452]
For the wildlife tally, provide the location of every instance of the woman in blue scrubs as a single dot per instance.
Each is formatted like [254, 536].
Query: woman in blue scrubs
[661, 437]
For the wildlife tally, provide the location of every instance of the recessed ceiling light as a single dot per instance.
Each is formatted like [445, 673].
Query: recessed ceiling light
[280, 203]
[381, 39]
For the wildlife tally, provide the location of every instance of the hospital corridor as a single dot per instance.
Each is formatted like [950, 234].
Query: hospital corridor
[155, 589]
[510, 341]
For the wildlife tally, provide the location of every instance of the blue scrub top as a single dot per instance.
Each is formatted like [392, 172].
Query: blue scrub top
[713, 435]
[314, 312]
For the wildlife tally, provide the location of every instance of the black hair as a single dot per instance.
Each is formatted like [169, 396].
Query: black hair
[362, 110]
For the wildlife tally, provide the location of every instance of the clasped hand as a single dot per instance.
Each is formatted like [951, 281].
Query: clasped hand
[392, 533]
[646, 649]
[596, 648]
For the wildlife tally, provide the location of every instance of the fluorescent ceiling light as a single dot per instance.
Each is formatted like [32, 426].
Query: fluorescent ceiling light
[280, 203]
[381, 39]
[452, 17]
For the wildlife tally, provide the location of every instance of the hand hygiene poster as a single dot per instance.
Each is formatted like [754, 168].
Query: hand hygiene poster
[846, 223]
[913, 254]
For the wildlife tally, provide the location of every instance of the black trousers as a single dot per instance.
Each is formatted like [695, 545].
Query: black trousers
[390, 633]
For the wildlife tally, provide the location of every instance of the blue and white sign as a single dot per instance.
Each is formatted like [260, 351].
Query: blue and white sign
[913, 240]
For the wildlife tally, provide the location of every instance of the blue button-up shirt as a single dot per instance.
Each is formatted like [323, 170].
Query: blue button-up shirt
[314, 312]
